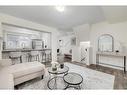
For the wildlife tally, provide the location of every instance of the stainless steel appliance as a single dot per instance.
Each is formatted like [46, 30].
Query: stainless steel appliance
[37, 44]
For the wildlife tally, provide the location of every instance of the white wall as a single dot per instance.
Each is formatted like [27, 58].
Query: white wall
[28, 24]
[66, 47]
[82, 33]
[76, 54]
[118, 31]
[91, 33]
[1, 35]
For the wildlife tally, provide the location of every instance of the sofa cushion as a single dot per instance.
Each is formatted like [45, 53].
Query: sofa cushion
[5, 62]
[6, 81]
[22, 69]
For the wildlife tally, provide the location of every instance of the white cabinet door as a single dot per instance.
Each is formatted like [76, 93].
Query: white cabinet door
[76, 56]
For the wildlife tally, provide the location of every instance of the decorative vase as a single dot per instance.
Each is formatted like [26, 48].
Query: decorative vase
[117, 51]
[61, 66]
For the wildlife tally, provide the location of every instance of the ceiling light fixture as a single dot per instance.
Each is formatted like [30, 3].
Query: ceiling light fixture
[60, 8]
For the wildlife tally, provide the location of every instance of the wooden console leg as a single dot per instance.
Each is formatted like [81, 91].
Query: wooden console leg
[16, 87]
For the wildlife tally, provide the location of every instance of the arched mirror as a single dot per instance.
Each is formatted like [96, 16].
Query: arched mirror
[106, 43]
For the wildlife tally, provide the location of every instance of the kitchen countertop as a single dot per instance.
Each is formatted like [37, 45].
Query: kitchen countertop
[23, 50]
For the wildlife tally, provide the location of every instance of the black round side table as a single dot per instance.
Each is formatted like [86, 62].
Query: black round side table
[56, 74]
[73, 80]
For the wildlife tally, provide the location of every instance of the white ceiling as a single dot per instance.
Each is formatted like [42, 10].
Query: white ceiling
[71, 17]
[115, 14]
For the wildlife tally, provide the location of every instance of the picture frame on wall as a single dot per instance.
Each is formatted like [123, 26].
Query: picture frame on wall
[61, 43]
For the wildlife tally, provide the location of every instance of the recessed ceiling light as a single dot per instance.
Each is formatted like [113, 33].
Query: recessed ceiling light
[60, 8]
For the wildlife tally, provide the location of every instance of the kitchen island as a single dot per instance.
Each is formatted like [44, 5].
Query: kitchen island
[25, 53]
[23, 50]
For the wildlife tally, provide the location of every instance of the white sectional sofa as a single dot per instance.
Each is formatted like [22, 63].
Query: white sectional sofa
[12, 75]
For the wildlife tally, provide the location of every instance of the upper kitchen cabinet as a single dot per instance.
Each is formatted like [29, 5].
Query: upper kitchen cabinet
[20, 38]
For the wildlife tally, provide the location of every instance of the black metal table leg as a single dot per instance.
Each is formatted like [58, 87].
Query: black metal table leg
[20, 59]
[72, 86]
[66, 87]
[55, 82]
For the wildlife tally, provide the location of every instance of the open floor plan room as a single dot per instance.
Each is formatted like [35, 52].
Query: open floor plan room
[63, 47]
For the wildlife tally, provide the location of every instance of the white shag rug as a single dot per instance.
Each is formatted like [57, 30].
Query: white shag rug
[91, 79]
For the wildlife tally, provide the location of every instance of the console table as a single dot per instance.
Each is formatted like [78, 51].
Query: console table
[111, 54]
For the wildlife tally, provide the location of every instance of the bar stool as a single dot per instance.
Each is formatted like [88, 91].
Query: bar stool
[26, 56]
[15, 56]
[48, 55]
[43, 58]
[35, 55]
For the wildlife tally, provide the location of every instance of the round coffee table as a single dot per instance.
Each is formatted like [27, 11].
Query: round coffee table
[73, 80]
[53, 80]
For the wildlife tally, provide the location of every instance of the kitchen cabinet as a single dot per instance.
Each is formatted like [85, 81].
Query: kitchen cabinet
[19, 38]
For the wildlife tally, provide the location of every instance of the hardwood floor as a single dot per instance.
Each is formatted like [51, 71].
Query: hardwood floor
[120, 78]
[120, 81]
